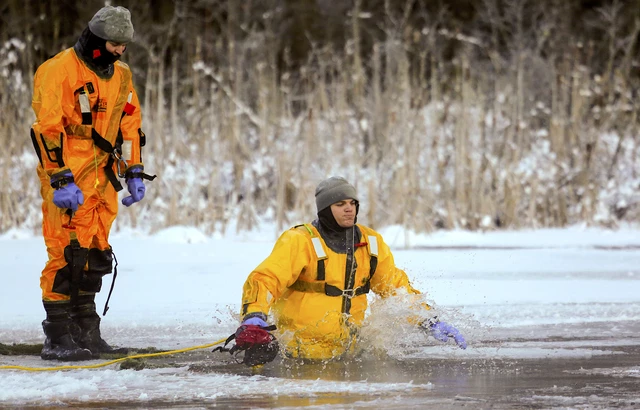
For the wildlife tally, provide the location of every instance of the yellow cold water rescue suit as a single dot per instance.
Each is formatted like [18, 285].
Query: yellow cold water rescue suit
[316, 304]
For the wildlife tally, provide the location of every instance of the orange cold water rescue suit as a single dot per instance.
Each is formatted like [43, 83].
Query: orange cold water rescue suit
[80, 119]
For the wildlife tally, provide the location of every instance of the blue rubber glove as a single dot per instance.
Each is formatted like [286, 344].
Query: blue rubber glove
[136, 189]
[67, 195]
[443, 331]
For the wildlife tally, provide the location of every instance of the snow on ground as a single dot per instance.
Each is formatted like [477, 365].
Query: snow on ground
[179, 288]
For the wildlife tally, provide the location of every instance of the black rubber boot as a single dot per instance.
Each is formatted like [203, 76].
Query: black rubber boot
[59, 343]
[88, 327]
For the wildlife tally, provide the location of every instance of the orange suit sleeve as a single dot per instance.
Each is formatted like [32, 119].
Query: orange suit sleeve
[53, 104]
[131, 126]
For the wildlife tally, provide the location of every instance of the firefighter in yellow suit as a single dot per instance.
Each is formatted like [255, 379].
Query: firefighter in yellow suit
[87, 136]
[315, 281]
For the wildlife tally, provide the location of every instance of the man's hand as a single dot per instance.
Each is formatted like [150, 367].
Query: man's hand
[67, 195]
[255, 321]
[253, 338]
[136, 189]
[443, 331]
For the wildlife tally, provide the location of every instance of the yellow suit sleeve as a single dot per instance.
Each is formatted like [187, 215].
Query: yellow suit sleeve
[388, 277]
[290, 255]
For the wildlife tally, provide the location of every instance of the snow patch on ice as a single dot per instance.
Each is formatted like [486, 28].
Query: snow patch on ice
[180, 234]
[170, 385]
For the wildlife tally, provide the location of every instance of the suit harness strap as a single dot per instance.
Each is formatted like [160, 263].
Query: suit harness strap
[321, 286]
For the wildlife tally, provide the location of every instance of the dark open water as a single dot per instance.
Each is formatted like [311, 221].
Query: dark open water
[603, 381]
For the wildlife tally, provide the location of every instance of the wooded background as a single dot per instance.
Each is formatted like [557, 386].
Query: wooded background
[444, 114]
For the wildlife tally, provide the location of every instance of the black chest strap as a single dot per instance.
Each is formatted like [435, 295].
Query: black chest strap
[114, 151]
[322, 287]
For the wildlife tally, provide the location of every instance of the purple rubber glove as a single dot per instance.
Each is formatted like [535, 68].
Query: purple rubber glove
[443, 331]
[66, 194]
[136, 189]
[255, 321]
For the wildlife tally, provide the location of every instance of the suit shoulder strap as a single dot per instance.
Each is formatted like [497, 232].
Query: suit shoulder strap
[315, 240]
[372, 240]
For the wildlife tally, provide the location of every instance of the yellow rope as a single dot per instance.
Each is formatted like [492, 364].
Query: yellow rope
[95, 366]
[95, 161]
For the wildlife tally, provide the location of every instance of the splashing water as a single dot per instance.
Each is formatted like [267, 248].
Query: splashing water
[392, 325]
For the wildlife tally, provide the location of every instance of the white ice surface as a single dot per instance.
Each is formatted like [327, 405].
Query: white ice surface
[180, 288]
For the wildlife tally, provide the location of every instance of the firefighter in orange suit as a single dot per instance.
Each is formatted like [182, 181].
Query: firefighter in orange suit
[87, 136]
[316, 280]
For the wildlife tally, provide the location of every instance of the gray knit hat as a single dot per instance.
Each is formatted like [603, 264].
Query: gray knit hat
[333, 190]
[112, 24]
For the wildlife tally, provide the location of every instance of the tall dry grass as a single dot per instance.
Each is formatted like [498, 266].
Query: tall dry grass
[524, 140]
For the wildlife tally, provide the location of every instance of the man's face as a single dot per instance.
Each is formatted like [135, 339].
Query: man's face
[117, 49]
[344, 212]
